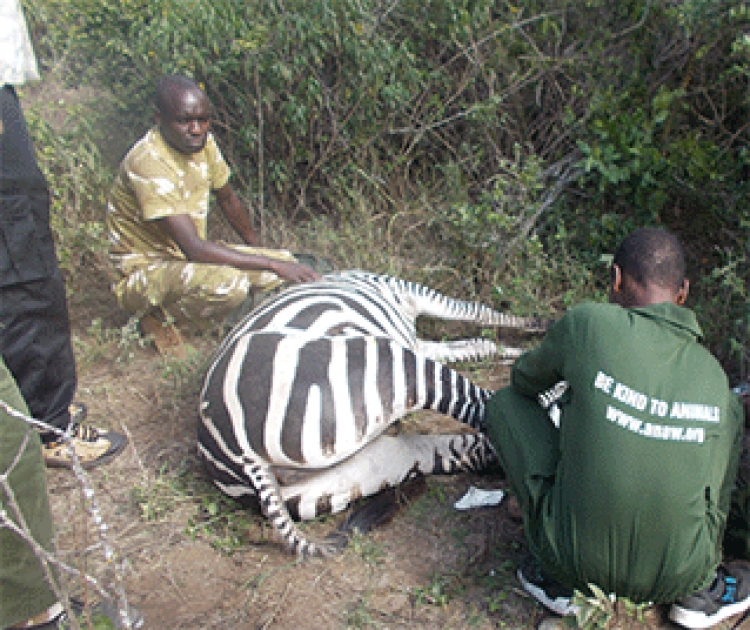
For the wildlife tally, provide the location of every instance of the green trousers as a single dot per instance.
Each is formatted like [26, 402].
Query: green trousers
[24, 591]
[529, 449]
[528, 446]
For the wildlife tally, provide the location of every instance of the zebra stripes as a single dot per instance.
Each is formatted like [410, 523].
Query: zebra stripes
[299, 394]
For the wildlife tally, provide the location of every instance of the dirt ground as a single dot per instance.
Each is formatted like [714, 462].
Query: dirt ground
[193, 560]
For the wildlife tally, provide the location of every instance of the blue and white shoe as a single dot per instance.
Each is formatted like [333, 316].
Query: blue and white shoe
[726, 596]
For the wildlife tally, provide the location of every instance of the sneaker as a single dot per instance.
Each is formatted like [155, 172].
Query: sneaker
[726, 596]
[78, 412]
[551, 594]
[93, 446]
[101, 615]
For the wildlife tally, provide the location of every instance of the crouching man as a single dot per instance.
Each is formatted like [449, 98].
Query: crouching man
[157, 219]
[631, 491]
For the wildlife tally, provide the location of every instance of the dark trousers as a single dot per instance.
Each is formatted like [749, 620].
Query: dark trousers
[34, 325]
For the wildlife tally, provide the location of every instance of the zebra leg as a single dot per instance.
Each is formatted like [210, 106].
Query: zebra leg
[429, 303]
[466, 350]
[415, 299]
[386, 462]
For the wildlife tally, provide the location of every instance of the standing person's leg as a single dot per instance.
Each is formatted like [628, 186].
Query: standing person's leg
[34, 326]
[36, 347]
[27, 600]
[24, 591]
[35, 339]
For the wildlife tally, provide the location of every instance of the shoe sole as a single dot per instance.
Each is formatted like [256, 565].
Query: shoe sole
[116, 447]
[560, 605]
[697, 620]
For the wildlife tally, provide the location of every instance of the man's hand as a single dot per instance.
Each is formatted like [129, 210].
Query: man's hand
[196, 249]
[294, 272]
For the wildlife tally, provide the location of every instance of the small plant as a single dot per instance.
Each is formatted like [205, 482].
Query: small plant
[436, 593]
[366, 548]
[220, 521]
[78, 182]
[594, 613]
[437, 492]
[183, 375]
[155, 500]
[496, 601]
[109, 344]
[360, 616]
[600, 611]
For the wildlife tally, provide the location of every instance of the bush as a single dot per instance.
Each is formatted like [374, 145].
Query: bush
[626, 114]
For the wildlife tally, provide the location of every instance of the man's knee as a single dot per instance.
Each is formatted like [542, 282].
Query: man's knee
[509, 411]
[522, 433]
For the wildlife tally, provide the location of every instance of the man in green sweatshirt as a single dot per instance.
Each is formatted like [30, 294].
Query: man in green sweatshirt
[629, 489]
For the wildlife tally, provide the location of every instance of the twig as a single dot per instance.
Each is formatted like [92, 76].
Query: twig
[571, 173]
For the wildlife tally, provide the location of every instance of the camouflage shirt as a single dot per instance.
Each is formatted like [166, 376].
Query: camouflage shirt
[156, 181]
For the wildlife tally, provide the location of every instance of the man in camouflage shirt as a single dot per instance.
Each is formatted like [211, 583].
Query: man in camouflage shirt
[157, 216]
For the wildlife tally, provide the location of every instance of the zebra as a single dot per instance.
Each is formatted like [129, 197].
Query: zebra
[297, 397]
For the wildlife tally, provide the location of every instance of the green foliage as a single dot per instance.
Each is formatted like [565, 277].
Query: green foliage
[482, 231]
[114, 345]
[723, 308]
[210, 515]
[599, 611]
[438, 592]
[220, 521]
[522, 140]
[594, 613]
[360, 616]
[368, 549]
[72, 164]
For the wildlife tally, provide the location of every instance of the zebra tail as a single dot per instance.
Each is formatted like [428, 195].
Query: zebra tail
[272, 506]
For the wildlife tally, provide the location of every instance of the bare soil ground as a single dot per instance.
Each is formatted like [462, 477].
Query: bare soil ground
[193, 560]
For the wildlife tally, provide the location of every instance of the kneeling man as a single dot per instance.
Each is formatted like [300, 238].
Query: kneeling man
[631, 491]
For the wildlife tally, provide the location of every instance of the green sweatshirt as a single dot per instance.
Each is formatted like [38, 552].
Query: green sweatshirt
[649, 444]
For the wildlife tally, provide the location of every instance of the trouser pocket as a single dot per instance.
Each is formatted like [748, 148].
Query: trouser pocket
[27, 251]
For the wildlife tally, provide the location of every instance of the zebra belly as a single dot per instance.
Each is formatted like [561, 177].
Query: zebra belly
[385, 462]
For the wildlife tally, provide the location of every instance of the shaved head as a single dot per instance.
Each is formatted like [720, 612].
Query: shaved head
[183, 113]
[652, 256]
[169, 90]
